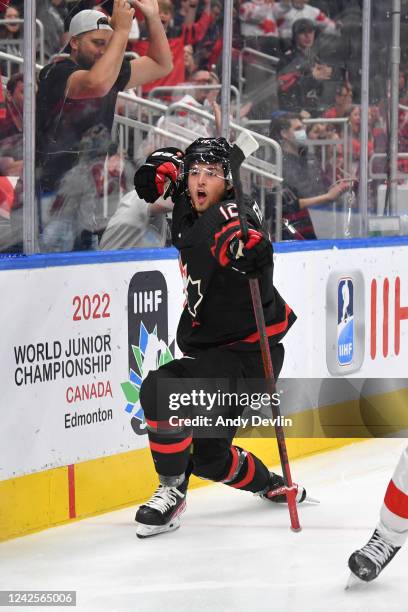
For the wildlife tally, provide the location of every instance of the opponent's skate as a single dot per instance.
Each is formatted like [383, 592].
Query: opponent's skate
[162, 512]
[276, 490]
[367, 562]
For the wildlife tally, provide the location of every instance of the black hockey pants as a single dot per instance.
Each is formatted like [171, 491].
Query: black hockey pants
[177, 450]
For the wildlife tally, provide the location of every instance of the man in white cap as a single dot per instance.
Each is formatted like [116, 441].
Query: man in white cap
[79, 93]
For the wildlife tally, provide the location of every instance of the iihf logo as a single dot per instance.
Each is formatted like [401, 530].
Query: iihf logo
[345, 321]
[147, 338]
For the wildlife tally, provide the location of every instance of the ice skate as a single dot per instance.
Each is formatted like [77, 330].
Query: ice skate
[276, 490]
[367, 562]
[162, 512]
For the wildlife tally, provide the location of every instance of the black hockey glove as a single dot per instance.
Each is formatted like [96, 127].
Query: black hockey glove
[250, 258]
[158, 175]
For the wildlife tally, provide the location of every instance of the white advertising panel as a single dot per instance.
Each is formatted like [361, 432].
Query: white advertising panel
[67, 392]
[77, 340]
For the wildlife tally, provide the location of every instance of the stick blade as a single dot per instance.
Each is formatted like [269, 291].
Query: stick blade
[247, 143]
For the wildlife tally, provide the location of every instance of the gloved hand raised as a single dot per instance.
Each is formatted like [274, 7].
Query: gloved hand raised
[250, 258]
[158, 175]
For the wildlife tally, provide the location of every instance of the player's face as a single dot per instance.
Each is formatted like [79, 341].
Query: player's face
[89, 47]
[207, 185]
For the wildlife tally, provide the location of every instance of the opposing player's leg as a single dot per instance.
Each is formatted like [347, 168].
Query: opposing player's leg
[391, 531]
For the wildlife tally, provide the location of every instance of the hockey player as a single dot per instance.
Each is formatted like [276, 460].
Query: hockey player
[217, 331]
[391, 531]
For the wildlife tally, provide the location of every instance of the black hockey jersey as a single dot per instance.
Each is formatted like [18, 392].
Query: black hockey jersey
[218, 309]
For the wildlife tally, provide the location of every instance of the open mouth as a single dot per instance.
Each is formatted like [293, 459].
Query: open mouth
[201, 196]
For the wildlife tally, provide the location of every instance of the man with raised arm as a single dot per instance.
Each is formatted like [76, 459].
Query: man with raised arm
[79, 93]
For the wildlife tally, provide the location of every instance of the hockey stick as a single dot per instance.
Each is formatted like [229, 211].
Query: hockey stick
[244, 146]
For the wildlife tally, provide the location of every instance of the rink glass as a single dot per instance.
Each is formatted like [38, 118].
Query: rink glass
[73, 214]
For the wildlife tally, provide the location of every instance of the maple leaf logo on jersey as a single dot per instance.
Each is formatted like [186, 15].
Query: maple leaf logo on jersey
[192, 291]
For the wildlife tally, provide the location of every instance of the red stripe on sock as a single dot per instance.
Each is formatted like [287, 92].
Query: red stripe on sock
[396, 501]
[168, 449]
[159, 424]
[234, 463]
[249, 475]
[71, 491]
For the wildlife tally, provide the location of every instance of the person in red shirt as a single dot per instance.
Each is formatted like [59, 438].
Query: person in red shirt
[12, 121]
[11, 128]
[354, 115]
[178, 37]
[343, 100]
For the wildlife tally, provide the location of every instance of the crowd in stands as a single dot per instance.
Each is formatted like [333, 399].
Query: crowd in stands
[315, 46]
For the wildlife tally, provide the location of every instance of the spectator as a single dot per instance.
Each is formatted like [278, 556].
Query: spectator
[289, 12]
[259, 25]
[343, 101]
[186, 14]
[61, 7]
[12, 123]
[302, 188]
[209, 50]
[11, 38]
[79, 93]
[88, 195]
[403, 122]
[377, 143]
[354, 116]
[202, 99]
[328, 157]
[301, 75]
[11, 129]
[178, 37]
[190, 65]
[137, 224]
[53, 22]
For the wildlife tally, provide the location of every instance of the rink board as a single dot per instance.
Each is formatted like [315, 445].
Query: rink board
[74, 325]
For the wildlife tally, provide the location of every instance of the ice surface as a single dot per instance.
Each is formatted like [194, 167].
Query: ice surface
[233, 552]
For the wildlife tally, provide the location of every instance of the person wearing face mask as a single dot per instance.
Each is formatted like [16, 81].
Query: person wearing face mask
[302, 187]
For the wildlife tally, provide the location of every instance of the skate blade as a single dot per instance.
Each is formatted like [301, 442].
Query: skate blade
[308, 499]
[147, 531]
[353, 581]
[311, 500]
